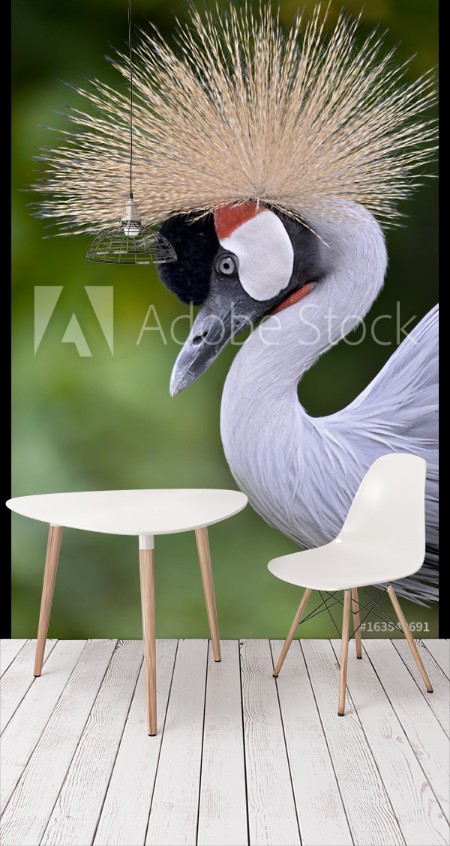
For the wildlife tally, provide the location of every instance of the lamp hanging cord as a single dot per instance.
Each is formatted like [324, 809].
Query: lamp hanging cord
[131, 99]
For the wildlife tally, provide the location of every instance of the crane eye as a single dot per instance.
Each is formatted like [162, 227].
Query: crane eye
[227, 265]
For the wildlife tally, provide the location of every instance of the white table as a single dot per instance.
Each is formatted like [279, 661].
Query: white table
[144, 513]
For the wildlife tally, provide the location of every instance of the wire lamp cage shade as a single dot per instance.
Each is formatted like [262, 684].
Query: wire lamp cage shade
[147, 247]
[131, 242]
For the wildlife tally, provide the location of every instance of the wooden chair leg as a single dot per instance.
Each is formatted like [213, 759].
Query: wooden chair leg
[407, 632]
[204, 556]
[356, 629]
[292, 631]
[147, 577]
[344, 653]
[51, 566]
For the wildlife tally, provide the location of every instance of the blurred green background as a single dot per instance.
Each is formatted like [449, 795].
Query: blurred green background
[107, 421]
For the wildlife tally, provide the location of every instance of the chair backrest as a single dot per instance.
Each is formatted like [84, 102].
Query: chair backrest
[388, 510]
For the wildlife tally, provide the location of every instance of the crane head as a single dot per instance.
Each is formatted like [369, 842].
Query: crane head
[242, 263]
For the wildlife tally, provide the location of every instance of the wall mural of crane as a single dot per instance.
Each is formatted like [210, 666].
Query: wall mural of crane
[272, 161]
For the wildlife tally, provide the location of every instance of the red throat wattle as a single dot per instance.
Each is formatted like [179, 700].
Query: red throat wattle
[294, 298]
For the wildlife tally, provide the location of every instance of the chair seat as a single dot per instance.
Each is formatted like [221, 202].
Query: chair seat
[342, 564]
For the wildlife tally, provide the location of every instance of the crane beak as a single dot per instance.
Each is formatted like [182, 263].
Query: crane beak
[227, 310]
[208, 336]
[218, 321]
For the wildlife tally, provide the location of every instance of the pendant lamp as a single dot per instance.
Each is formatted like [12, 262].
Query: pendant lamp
[131, 242]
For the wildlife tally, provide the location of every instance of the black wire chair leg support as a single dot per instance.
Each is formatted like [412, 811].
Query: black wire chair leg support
[327, 602]
[351, 607]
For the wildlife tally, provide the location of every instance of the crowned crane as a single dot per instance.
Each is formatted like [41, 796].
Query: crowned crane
[301, 472]
[271, 160]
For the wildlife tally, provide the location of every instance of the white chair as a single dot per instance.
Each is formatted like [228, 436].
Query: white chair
[382, 539]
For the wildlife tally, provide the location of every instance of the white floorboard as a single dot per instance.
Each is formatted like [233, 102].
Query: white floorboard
[372, 823]
[8, 651]
[440, 650]
[18, 678]
[125, 813]
[29, 720]
[77, 810]
[174, 811]
[271, 806]
[32, 803]
[239, 759]
[321, 813]
[223, 804]
[418, 814]
[427, 738]
[439, 701]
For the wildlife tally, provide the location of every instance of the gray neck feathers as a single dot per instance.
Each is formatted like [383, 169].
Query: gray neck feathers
[287, 344]
[265, 431]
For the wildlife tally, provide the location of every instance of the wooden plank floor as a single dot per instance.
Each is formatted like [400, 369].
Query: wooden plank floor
[239, 757]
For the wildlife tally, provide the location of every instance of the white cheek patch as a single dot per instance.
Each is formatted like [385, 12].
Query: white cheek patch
[265, 253]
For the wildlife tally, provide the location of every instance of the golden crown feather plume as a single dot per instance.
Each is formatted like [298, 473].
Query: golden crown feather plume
[240, 111]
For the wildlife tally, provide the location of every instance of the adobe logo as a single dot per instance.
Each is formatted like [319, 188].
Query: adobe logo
[101, 298]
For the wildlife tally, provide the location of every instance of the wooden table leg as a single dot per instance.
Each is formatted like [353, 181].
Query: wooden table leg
[208, 587]
[51, 566]
[344, 653]
[147, 577]
[357, 630]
